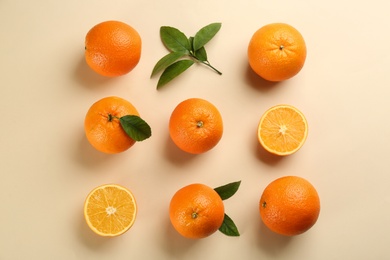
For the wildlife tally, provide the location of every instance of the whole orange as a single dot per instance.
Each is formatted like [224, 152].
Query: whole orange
[277, 52]
[102, 126]
[112, 48]
[289, 205]
[196, 211]
[195, 125]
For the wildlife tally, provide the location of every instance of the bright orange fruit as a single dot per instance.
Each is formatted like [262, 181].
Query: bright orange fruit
[277, 52]
[102, 126]
[289, 205]
[282, 130]
[112, 48]
[110, 210]
[196, 211]
[195, 126]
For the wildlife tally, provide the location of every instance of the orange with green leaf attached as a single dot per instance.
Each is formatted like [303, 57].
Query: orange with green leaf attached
[112, 125]
[197, 211]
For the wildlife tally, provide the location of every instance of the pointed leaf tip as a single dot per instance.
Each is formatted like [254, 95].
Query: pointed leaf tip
[135, 127]
[228, 190]
[173, 71]
[205, 34]
[228, 227]
[166, 61]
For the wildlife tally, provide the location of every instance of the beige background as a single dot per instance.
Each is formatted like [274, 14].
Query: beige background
[47, 167]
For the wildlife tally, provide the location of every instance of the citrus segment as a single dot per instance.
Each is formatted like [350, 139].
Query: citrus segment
[282, 130]
[289, 205]
[110, 210]
[196, 211]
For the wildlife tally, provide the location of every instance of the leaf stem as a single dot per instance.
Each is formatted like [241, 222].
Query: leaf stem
[112, 117]
[206, 63]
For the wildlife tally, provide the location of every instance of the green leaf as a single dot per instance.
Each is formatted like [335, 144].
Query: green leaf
[179, 46]
[174, 39]
[228, 190]
[201, 54]
[191, 40]
[135, 127]
[205, 34]
[165, 61]
[228, 227]
[173, 71]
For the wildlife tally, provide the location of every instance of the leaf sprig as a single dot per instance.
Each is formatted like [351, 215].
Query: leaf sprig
[184, 51]
[228, 226]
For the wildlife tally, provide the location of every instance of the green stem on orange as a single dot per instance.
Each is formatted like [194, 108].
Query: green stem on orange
[199, 124]
[112, 117]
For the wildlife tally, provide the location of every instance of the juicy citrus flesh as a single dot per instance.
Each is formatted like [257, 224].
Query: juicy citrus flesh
[196, 211]
[195, 126]
[112, 48]
[102, 126]
[282, 130]
[277, 52]
[110, 210]
[289, 206]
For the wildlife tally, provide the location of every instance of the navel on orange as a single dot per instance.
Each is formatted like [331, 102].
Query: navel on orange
[289, 205]
[110, 210]
[112, 48]
[277, 52]
[195, 126]
[282, 130]
[196, 211]
[102, 125]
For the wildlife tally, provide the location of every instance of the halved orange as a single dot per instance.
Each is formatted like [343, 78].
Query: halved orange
[282, 130]
[110, 210]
